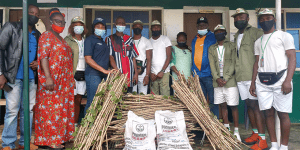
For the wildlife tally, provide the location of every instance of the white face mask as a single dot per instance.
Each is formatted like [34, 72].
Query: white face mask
[202, 32]
[78, 29]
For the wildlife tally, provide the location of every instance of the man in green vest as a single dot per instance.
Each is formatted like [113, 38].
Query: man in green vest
[244, 40]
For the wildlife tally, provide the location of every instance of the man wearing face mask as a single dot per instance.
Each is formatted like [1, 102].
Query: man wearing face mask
[200, 63]
[273, 72]
[160, 69]
[144, 48]
[222, 59]
[11, 75]
[123, 53]
[244, 40]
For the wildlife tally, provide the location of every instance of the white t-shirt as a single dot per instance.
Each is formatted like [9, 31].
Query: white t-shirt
[81, 60]
[142, 45]
[221, 52]
[159, 54]
[239, 40]
[275, 58]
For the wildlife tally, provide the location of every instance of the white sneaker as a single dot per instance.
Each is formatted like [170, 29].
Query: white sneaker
[274, 148]
[237, 136]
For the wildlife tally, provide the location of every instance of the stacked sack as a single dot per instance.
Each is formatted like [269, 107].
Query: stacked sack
[171, 132]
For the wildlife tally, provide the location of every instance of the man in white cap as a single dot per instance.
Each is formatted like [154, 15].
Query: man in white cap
[222, 57]
[143, 61]
[244, 40]
[160, 69]
[272, 77]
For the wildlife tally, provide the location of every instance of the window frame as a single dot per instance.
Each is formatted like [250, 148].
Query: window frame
[124, 8]
[284, 11]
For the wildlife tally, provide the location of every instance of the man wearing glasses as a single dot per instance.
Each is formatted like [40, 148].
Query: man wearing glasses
[200, 63]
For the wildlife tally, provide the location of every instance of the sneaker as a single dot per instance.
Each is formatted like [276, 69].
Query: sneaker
[237, 136]
[260, 145]
[6, 148]
[252, 139]
[32, 147]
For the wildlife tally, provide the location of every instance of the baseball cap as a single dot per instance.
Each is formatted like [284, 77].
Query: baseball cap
[99, 20]
[240, 11]
[266, 11]
[155, 22]
[137, 22]
[202, 19]
[219, 27]
[77, 19]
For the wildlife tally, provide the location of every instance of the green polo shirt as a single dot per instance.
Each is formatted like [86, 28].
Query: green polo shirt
[245, 57]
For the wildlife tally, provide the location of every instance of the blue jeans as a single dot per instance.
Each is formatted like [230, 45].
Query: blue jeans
[208, 89]
[14, 104]
[92, 83]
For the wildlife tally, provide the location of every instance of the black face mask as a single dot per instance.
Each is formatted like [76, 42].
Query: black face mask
[156, 33]
[137, 31]
[220, 36]
[32, 20]
[181, 44]
[267, 25]
[241, 24]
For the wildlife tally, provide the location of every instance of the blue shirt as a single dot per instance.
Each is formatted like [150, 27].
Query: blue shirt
[32, 53]
[97, 48]
[205, 66]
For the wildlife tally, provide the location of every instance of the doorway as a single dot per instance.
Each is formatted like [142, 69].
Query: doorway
[190, 22]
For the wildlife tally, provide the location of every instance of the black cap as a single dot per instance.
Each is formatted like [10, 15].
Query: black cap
[202, 19]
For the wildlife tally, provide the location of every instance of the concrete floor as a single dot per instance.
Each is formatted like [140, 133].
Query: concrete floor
[294, 143]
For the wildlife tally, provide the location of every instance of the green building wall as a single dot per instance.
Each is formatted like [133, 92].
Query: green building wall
[167, 4]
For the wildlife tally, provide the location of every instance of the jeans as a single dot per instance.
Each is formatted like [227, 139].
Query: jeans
[14, 104]
[92, 83]
[208, 89]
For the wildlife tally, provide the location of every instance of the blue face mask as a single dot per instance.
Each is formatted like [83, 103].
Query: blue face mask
[120, 28]
[99, 32]
[78, 29]
[202, 32]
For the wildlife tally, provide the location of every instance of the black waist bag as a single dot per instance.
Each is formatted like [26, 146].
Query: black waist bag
[79, 76]
[270, 78]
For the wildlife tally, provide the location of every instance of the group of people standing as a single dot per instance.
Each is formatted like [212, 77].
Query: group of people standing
[258, 65]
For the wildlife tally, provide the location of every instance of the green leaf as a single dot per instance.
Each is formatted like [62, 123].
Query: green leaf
[134, 93]
[151, 97]
[91, 124]
[100, 133]
[142, 93]
[101, 93]
[90, 119]
[118, 77]
[112, 93]
[109, 87]
[165, 97]
[74, 133]
[93, 111]
[93, 142]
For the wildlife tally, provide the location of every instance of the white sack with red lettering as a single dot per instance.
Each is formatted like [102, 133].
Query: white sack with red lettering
[139, 133]
[171, 131]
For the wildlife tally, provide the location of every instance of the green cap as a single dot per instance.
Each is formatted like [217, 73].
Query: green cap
[155, 22]
[77, 19]
[266, 11]
[219, 27]
[137, 22]
[240, 11]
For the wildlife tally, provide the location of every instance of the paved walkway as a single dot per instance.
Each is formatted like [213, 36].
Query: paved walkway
[294, 143]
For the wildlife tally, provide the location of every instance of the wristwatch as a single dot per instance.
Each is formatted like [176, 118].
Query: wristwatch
[163, 70]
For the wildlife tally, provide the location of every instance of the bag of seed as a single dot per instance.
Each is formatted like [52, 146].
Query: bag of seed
[171, 131]
[139, 133]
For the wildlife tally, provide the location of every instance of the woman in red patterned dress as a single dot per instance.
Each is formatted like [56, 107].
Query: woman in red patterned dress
[54, 113]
